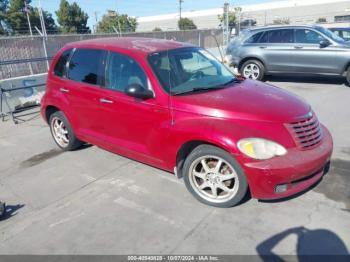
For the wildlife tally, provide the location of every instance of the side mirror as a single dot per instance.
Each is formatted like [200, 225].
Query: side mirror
[138, 91]
[324, 43]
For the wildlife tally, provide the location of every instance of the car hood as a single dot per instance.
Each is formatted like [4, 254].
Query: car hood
[249, 100]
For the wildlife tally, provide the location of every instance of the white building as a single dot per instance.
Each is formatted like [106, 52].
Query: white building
[297, 11]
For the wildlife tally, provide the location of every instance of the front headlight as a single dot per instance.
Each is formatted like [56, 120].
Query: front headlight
[259, 148]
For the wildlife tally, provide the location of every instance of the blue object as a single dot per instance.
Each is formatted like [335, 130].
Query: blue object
[28, 91]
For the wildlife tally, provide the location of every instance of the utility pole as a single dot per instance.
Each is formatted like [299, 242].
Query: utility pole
[96, 20]
[226, 30]
[180, 8]
[117, 16]
[238, 11]
[43, 33]
[26, 10]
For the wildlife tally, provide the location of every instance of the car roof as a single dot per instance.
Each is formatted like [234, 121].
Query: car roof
[339, 28]
[136, 44]
[263, 28]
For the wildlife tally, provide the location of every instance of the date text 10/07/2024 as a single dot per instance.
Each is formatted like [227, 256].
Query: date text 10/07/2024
[173, 258]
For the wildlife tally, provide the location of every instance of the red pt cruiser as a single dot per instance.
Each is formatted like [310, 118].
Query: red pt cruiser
[174, 106]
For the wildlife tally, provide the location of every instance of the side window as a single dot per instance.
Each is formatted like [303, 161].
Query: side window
[308, 36]
[346, 35]
[254, 38]
[281, 36]
[123, 71]
[264, 38]
[86, 66]
[60, 66]
[337, 32]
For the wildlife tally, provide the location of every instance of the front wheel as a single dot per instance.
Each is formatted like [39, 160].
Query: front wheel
[348, 76]
[253, 69]
[214, 177]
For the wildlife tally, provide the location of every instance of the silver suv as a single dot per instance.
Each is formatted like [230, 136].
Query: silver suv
[289, 49]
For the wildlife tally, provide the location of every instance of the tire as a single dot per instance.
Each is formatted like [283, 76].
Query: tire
[253, 69]
[63, 135]
[348, 77]
[2, 209]
[213, 178]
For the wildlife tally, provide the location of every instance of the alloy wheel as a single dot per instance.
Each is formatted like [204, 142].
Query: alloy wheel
[251, 71]
[213, 179]
[60, 132]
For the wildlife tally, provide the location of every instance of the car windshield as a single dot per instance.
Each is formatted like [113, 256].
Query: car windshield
[187, 70]
[330, 34]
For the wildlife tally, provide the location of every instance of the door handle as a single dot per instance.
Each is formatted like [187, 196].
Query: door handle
[106, 101]
[262, 47]
[64, 90]
[298, 47]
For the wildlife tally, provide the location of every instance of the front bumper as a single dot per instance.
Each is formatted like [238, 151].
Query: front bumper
[296, 171]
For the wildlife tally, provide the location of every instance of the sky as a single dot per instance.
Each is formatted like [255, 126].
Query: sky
[96, 8]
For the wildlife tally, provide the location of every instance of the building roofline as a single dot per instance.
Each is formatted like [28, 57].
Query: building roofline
[245, 8]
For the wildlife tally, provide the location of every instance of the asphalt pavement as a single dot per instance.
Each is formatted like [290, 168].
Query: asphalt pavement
[91, 201]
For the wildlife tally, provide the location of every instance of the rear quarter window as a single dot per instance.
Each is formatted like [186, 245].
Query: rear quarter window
[86, 65]
[60, 66]
[254, 38]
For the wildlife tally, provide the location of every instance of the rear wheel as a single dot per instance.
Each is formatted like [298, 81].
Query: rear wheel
[214, 177]
[253, 69]
[62, 132]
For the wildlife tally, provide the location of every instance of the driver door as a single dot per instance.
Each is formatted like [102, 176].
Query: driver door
[129, 124]
[309, 57]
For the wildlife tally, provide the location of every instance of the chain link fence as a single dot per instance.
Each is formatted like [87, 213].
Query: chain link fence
[21, 56]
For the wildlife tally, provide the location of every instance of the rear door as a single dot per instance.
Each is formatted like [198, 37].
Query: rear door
[310, 57]
[82, 87]
[277, 49]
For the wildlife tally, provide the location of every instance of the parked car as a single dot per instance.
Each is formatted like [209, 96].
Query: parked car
[342, 32]
[289, 49]
[2, 209]
[174, 106]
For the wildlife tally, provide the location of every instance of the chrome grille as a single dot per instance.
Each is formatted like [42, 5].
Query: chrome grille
[307, 133]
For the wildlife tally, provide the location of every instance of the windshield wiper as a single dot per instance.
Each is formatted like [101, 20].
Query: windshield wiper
[233, 80]
[198, 89]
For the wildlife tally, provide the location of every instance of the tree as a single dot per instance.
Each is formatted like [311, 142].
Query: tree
[17, 23]
[112, 22]
[157, 29]
[281, 21]
[231, 20]
[186, 24]
[3, 16]
[71, 18]
[16, 17]
[321, 20]
[50, 24]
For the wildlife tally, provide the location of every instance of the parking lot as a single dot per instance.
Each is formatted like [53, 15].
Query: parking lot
[91, 201]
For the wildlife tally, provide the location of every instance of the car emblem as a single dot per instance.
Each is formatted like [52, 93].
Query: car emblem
[308, 115]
